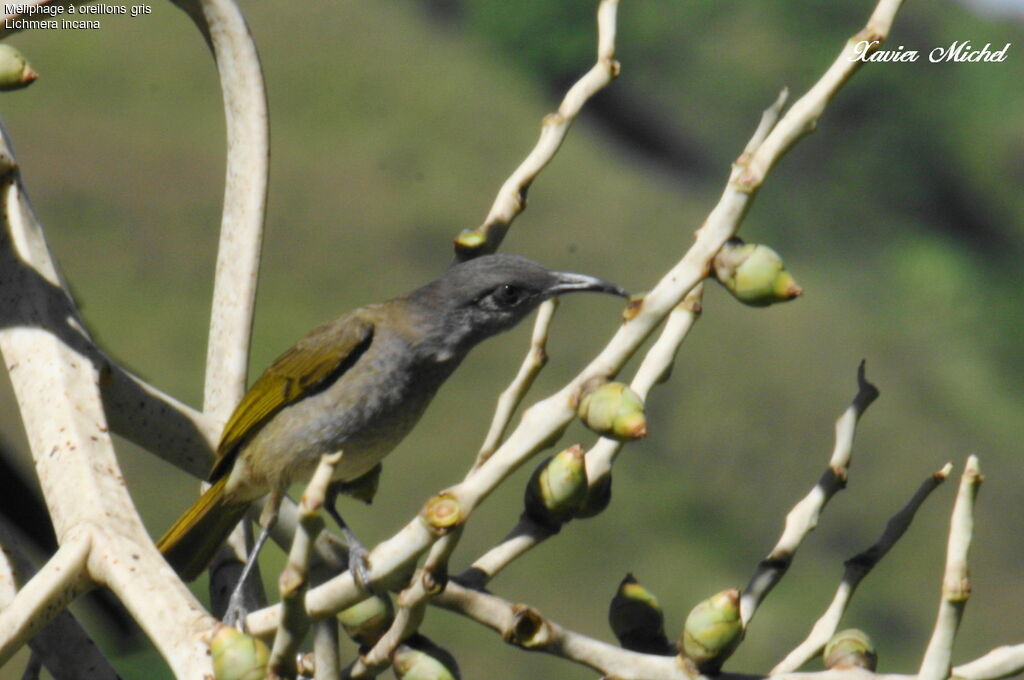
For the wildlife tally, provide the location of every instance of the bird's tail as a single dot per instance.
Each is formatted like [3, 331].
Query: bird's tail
[189, 545]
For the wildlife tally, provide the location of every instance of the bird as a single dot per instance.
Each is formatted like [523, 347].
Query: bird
[357, 384]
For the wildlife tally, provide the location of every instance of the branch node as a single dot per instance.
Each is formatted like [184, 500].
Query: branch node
[443, 513]
[529, 629]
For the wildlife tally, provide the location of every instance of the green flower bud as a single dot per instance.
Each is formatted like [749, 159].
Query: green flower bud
[237, 656]
[851, 648]
[557, 488]
[754, 274]
[613, 410]
[637, 620]
[367, 621]
[713, 630]
[15, 72]
[420, 659]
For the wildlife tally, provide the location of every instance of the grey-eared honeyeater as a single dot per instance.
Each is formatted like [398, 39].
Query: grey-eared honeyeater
[357, 384]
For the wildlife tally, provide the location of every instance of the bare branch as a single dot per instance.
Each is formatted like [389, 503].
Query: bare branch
[511, 199]
[857, 568]
[956, 582]
[245, 196]
[389, 561]
[60, 580]
[378, 659]
[656, 367]
[155, 421]
[294, 580]
[238, 256]
[1001, 662]
[851, 673]
[62, 645]
[802, 118]
[523, 537]
[326, 652]
[525, 627]
[803, 518]
[57, 390]
[509, 400]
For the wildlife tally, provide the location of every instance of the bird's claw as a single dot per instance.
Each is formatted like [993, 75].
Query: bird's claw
[359, 567]
[236, 612]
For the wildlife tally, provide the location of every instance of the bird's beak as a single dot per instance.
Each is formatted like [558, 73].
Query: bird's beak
[567, 282]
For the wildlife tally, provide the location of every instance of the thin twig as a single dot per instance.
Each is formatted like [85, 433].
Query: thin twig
[63, 577]
[511, 199]
[802, 118]
[956, 581]
[509, 400]
[525, 627]
[62, 645]
[425, 584]
[655, 368]
[857, 568]
[524, 536]
[850, 673]
[1001, 662]
[326, 652]
[803, 518]
[294, 580]
[378, 659]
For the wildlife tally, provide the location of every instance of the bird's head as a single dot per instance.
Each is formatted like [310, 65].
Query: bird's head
[474, 300]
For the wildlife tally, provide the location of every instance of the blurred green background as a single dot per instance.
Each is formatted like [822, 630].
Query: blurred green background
[393, 125]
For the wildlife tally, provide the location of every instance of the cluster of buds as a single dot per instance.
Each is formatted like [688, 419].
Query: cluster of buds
[15, 72]
[712, 632]
[559, 489]
[637, 620]
[754, 274]
[613, 410]
[237, 656]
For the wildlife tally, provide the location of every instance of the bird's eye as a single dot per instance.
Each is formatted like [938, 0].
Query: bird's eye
[507, 295]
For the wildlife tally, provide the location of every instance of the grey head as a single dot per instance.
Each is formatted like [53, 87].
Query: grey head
[474, 300]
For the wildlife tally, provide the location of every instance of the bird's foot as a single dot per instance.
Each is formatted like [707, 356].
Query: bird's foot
[358, 562]
[243, 599]
[236, 611]
[358, 555]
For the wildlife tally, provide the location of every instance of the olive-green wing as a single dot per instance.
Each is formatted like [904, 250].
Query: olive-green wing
[313, 363]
